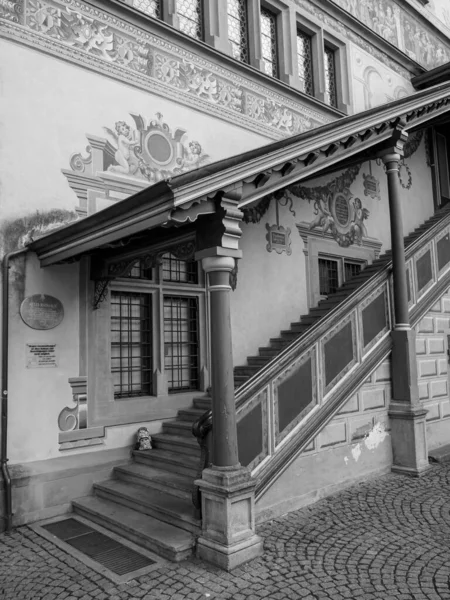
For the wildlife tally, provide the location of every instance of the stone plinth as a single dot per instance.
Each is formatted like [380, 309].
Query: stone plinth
[409, 439]
[228, 511]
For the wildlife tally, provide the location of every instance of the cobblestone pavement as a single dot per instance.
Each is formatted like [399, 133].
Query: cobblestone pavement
[383, 539]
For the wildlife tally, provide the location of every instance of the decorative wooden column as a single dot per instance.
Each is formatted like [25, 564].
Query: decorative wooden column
[228, 491]
[407, 416]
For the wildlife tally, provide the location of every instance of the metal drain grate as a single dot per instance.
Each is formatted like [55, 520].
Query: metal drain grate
[110, 554]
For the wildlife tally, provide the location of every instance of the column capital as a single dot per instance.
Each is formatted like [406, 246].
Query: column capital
[390, 157]
[218, 263]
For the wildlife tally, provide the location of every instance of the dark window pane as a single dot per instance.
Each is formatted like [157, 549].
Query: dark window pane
[269, 42]
[179, 271]
[131, 344]
[181, 342]
[330, 76]
[304, 61]
[351, 269]
[190, 17]
[328, 276]
[237, 29]
[149, 7]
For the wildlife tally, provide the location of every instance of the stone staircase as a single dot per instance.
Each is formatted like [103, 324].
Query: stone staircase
[149, 501]
[266, 353]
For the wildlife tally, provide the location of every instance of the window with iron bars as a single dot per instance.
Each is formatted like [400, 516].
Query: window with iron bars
[131, 344]
[132, 331]
[237, 29]
[329, 56]
[181, 342]
[304, 62]
[190, 17]
[269, 50]
[149, 7]
[333, 272]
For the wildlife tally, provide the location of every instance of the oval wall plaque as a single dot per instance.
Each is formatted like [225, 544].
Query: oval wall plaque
[41, 311]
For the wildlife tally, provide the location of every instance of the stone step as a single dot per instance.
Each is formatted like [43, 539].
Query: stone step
[178, 512]
[176, 443]
[249, 370]
[308, 319]
[268, 351]
[298, 327]
[279, 343]
[289, 335]
[190, 414]
[203, 403]
[258, 361]
[178, 427]
[174, 462]
[165, 540]
[164, 481]
[240, 380]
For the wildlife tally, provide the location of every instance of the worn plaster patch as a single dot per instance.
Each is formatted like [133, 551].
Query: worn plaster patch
[356, 452]
[375, 437]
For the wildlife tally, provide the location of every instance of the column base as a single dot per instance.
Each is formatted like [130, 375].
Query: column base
[229, 557]
[228, 537]
[409, 439]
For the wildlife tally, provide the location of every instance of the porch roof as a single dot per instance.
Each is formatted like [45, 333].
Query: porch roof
[248, 176]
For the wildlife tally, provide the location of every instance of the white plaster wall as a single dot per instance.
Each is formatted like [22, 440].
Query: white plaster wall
[37, 395]
[271, 288]
[373, 82]
[48, 110]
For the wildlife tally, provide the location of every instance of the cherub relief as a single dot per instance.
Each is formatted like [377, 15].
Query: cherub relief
[324, 217]
[357, 228]
[126, 139]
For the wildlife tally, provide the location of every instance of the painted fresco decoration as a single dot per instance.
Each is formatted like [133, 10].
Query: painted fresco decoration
[85, 34]
[279, 237]
[16, 233]
[371, 184]
[398, 27]
[153, 151]
[342, 216]
[405, 175]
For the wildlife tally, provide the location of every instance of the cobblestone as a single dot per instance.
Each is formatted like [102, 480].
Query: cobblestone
[385, 539]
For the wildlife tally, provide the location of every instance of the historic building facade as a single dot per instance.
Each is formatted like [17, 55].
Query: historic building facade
[181, 181]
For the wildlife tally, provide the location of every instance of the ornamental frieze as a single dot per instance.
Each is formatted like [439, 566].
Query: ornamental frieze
[86, 35]
[401, 29]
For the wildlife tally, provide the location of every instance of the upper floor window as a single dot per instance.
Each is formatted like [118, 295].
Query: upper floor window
[237, 29]
[269, 42]
[304, 61]
[330, 76]
[190, 15]
[149, 7]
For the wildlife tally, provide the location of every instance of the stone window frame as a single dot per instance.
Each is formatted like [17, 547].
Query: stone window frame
[318, 244]
[103, 408]
[289, 19]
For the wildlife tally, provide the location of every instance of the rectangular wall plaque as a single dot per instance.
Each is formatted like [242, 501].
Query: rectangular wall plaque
[41, 356]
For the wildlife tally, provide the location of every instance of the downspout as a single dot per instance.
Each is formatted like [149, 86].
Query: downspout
[4, 388]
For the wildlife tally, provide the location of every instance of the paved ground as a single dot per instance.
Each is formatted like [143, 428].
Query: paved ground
[385, 539]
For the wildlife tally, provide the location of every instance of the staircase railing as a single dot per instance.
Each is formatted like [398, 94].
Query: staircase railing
[285, 404]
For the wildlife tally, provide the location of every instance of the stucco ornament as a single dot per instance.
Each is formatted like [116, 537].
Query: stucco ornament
[144, 441]
[153, 151]
[342, 216]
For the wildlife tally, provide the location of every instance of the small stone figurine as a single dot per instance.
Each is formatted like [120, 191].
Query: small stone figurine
[144, 441]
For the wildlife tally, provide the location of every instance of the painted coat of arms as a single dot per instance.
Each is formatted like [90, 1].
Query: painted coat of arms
[153, 151]
[342, 216]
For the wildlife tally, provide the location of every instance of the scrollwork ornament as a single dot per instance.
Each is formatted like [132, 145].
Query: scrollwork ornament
[408, 184]
[78, 162]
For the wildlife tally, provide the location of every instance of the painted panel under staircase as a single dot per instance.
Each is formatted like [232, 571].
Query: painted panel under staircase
[285, 395]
